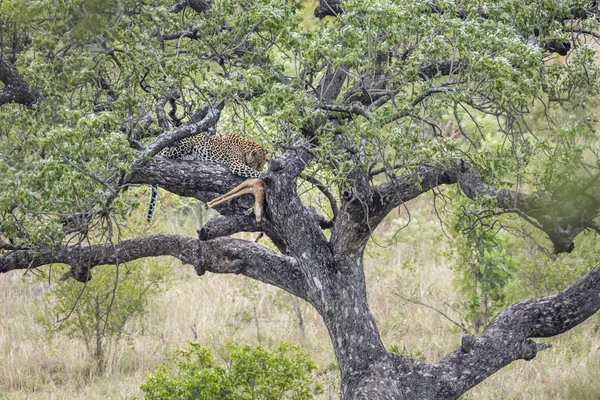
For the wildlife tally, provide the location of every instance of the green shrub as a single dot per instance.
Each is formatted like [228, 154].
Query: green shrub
[247, 372]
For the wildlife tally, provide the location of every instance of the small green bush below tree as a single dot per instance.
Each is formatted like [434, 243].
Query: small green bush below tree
[247, 372]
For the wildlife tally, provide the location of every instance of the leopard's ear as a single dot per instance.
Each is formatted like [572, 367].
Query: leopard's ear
[253, 152]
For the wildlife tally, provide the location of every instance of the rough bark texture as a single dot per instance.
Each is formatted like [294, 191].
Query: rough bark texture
[16, 89]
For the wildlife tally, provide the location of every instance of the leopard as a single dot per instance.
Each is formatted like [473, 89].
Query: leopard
[244, 157]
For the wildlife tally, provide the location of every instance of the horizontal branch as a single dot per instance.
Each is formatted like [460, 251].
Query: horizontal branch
[356, 108]
[507, 338]
[178, 246]
[560, 220]
[236, 256]
[199, 6]
[405, 188]
[225, 225]
[193, 35]
[202, 180]
[222, 255]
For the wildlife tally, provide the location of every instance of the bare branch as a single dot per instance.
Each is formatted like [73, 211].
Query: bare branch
[178, 246]
[586, 32]
[236, 256]
[225, 225]
[223, 256]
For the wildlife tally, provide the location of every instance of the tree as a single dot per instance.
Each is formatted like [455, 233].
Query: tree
[352, 104]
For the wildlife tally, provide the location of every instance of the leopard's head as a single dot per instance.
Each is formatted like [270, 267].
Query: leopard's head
[256, 158]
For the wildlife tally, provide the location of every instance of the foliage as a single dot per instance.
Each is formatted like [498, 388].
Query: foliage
[540, 275]
[101, 69]
[483, 267]
[103, 310]
[247, 372]
[101, 66]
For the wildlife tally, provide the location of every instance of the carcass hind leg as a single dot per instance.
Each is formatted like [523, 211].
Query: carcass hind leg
[254, 186]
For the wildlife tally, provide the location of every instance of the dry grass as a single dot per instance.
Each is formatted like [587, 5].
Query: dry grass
[232, 308]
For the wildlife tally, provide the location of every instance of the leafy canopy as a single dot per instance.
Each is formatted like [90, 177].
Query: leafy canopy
[101, 67]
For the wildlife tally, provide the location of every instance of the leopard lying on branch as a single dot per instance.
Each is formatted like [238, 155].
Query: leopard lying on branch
[243, 157]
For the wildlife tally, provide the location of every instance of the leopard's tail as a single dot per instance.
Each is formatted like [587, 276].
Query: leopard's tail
[153, 198]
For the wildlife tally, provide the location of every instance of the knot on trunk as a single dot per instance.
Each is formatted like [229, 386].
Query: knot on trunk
[467, 344]
[81, 273]
[529, 349]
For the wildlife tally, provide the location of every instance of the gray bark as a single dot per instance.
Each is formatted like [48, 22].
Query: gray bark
[16, 89]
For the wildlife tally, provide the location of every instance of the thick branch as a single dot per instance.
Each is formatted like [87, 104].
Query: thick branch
[223, 255]
[201, 180]
[225, 225]
[236, 256]
[16, 89]
[507, 337]
[178, 246]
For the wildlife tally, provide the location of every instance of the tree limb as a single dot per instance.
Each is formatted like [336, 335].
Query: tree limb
[190, 128]
[178, 246]
[199, 6]
[507, 338]
[561, 221]
[228, 255]
[328, 8]
[222, 255]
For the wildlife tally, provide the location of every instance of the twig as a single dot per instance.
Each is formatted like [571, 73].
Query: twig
[461, 326]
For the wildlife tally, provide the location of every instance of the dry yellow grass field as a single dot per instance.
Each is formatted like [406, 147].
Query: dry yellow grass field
[233, 308]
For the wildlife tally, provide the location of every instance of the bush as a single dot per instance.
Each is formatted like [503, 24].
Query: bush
[248, 372]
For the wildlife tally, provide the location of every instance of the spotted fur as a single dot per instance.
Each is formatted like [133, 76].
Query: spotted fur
[243, 157]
